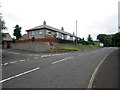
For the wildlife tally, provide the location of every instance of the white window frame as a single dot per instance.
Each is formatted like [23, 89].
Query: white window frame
[68, 37]
[40, 31]
[32, 32]
[57, 34]
[62, 36]
[48, 32]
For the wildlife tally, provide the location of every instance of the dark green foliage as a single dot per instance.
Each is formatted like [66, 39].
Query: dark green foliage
[2, 24]
[101, 37]
[89, 39]
[116, 39]
[2, 27]
[80, 41]
[13, 40]
[109, 40]
[17, 31]
[66, 41]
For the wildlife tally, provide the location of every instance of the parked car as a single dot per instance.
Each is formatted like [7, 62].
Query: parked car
[101, 45]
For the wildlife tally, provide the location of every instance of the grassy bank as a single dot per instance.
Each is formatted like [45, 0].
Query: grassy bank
[78, 47]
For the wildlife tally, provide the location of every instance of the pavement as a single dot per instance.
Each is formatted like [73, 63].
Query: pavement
[21, 69]
[107, 75]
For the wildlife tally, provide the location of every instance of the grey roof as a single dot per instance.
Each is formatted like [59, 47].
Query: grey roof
[50, 28]
[7, 37]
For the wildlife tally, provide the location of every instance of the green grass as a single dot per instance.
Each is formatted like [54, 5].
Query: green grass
[97, 43]
[78, 47]
[73, 47]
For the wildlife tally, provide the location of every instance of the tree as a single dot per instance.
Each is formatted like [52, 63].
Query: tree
[89, 38]
[2, 26]
[101, 37]
[17, 31]
[116, 39]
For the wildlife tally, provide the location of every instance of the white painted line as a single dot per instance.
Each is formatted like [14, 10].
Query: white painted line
[42, 56]
[95, 71]
[62, 60]
[83, 54]
[19, 74]
[53, 55]
[49, 55]
[36, 58]
[14, 53]
[62, 53]
[45, 55]
[21, 60]
[13, 62]
[5, 64]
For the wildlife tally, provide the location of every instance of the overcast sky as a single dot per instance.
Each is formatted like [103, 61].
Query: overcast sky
[94, 16]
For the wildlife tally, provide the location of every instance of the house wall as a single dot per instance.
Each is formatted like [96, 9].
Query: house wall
[36, 34]
[49, 36]
[45, 35]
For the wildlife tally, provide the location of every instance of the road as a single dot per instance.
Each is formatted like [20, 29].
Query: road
[21, 69]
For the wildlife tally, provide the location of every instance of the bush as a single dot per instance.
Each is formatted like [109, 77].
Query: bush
[66, 41]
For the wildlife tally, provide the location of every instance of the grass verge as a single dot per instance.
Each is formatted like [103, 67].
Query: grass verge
[78, 47]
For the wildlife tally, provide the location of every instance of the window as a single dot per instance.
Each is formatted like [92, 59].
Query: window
[62, 36]
[40, 31]
[68, 37]
[48, 32]
[32, 33]
[57, 34]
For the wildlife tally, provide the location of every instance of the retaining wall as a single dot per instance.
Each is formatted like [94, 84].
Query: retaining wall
[36, 46]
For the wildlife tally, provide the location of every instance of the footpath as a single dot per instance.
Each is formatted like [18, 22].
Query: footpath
[107, 75]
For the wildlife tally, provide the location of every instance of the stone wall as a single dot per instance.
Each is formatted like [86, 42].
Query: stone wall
[32, 46]
[36, 46]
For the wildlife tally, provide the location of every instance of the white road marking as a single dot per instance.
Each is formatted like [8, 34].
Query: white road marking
[49, 55]
[19, 74]
[21, 60]
[5, 64]
[62, 60]
[36, 58]
[53, 55]
[14, 53]
[95, 71]
[13, 62]
[83, 54]
[42, 56]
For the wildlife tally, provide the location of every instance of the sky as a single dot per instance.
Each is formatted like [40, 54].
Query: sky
[93, 16]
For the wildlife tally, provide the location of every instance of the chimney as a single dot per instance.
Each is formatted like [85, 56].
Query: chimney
[62, 28]
[73, 33]
[44, 23]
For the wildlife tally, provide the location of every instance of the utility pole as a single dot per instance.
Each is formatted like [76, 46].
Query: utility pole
[76, 32]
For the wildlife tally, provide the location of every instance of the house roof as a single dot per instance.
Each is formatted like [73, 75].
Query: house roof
[7, 37]
[50, 28]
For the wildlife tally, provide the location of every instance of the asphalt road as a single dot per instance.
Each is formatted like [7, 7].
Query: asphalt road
[22, 69]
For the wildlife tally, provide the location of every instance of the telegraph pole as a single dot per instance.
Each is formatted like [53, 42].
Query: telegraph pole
[76, 32]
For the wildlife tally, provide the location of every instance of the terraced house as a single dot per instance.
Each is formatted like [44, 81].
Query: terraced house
[45, 31]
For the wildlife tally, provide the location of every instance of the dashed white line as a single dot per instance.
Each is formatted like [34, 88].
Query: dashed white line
[19, 74]
[62, 60]
[83, 54]
[36, 58]
[21, 60]
[5, 64]
[13, 62]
